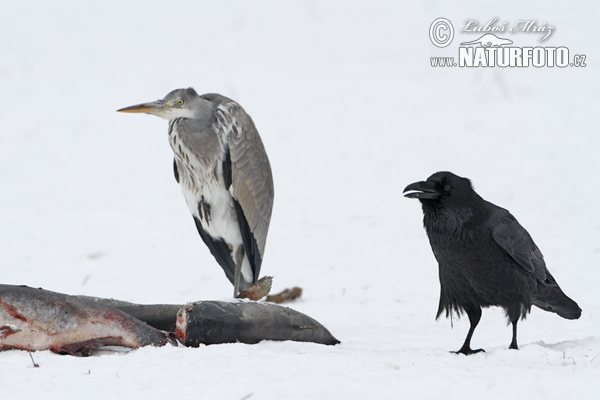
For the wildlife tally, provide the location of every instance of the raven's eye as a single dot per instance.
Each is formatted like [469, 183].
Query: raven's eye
[447, 188]
[180, 102]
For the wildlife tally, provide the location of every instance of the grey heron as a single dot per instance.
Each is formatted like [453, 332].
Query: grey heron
[224, 172]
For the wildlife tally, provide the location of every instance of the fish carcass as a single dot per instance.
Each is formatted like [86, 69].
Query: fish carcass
[37, 319]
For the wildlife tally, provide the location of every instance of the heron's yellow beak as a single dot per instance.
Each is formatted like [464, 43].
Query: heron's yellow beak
[153, 108]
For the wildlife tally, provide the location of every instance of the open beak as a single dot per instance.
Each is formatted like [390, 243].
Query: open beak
[154, 108]
[422, 190]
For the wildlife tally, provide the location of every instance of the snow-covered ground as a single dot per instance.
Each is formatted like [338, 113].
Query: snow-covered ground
[350, 111]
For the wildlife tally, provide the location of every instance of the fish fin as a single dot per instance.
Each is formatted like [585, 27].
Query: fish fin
[8, 330]
[260, 289]
[86, 347]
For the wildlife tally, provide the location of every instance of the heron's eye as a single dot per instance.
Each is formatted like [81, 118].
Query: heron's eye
[447, 188]
[180, 102]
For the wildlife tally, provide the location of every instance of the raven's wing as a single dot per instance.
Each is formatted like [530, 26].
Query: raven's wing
[517, 242]
[250, 183]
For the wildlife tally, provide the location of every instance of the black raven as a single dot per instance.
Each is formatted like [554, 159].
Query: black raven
[486, 258]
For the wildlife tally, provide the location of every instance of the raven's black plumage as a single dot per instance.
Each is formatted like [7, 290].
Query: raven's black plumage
[486, 258]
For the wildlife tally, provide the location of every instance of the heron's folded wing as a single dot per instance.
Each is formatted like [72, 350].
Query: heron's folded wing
[251, 183]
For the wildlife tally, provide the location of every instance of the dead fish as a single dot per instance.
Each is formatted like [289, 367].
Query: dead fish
[260, 289]
[38, 319]
[286, 295]
[214, 322]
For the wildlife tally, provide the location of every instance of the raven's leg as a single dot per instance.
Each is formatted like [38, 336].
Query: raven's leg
[513, 344]
[474, 314]
[513, 312]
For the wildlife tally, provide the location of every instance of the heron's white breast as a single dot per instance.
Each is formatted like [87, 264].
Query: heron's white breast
[203, 183]
[222, 219]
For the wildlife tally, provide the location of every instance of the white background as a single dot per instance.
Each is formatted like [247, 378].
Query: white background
[350, 112]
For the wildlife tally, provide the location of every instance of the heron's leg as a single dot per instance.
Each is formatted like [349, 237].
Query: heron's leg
[474, 314]
[238, 280]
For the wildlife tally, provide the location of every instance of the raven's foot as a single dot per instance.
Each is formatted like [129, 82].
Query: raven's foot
[513, 346]
[468, 351]
[260, 289]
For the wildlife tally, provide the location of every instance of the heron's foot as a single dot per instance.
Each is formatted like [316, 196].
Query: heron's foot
[286, 295]
[260, 289]
[466, 350]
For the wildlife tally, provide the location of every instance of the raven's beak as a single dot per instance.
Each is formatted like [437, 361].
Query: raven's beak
[422, 190]
[153, 108]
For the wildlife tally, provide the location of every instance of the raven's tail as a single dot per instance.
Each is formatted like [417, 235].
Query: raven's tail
[549, 297]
